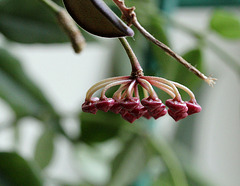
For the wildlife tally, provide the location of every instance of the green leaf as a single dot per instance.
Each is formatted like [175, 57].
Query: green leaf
[129, 163]
[29, 21]
[161, 64]
[24, 97]
[14, 170]
[44, 149]
[226, 24]
[100, 127]
[186, 77]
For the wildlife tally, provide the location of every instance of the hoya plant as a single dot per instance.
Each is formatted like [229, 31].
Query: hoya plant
[97, 18]
[160, 83]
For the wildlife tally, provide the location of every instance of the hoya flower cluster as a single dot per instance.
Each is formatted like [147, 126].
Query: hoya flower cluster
[100, 20]
[127, 102]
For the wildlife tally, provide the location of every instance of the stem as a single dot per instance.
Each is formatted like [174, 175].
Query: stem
[162, 80]
[229, 60]
[131, 89]
[136, 67]
[169, 51]
[163, 87]
[117, 95]
[130, 17]
[136, 92]
[146, 85]
[68, 25]
[112, 84]
[187, 90]
[102, 84]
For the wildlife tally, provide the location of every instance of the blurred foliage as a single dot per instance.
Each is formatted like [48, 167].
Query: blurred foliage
[29, 22]
[102, 127]
[14, 170]
[226, 24]
[44, 148]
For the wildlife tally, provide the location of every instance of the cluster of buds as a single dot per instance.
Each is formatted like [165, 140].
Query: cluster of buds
[126, 100]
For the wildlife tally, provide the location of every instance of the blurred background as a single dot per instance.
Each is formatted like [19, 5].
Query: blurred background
[45, 139]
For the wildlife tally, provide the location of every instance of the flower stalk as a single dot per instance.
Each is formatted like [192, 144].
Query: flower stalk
[136, 67]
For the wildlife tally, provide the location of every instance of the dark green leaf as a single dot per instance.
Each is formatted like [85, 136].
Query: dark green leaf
[24, 97]
[29, 21]
[129, 163]
[45, 149]
[14, 170]
[225, 24]
[100, 127]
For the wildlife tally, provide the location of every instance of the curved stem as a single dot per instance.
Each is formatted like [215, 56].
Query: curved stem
[136, 92]
[136, 67]
[118, 93]
[162, 80]
[130, 89]
[187, 90]
[145, 84]
[112, 84]
[145, 92]
[163, 87]
[102, 84]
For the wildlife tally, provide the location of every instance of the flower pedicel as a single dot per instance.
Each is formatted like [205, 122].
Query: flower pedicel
[126, 101]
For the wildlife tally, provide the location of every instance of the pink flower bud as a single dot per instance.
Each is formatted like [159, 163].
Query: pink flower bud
[150, 103]
[105, 104]
[147, 115]
[116, 108]
[176, 106]
[158, 112]
[138, 111]
[130, 103]
[177, 109]
[129, 117]
[90, 106]
[193, 107]
[177, 115]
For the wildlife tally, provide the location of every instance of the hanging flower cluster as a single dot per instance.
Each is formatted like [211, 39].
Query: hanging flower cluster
[97, 18]
[127, 102]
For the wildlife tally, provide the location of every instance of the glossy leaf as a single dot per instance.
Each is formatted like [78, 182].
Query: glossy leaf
[97, 18]
[129, 163]
[100, 127]
[44, 149]
[226, 24]
[14, 170]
